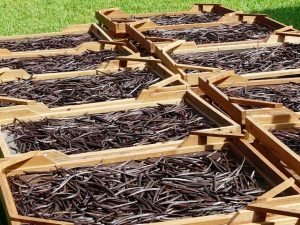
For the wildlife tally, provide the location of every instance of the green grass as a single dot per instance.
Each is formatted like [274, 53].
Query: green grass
[34, 16]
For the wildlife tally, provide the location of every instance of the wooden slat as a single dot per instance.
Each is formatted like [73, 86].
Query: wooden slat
[17, 101]
[37, 221]
[221, 99]
[138, 59]
[293, 34]
[277, 190]
[266, 208]
[217, 78]
[112, 42]
[217, 134]
[253, 102]
[201, 68]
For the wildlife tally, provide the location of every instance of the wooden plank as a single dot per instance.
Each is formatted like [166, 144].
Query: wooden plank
[253, 102]
[286, 201]
[201, 68]
[293, 34]
[277, 190]
[221, 99]
[138, 59]
[266, 208]
[272, 74]
[251, 83]
[205, 220]
[112, 42]
[217, 134]
[17, 101]
[37, 221]
[157, 39]
[172, 45]
[217, 78]
[277, 221]
[283, 29]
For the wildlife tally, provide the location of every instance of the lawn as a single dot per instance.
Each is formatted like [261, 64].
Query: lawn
[34, 16]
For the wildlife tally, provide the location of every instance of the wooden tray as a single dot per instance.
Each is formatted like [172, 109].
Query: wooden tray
[210, 86]
[7, 74]
[135, 30]
[258, 212]
[167, 77]
[115, 19]
[180, 47]
[93, 29]
[148, 98]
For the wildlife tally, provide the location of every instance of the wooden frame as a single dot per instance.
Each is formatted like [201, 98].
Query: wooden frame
[269, 145]
[210, 86]
[92, 46]
[94, 29]
[151, 97]
[113, 66]
[114, 19]
[37, 161]
[7, 74]
[180, 47]
[135, 29]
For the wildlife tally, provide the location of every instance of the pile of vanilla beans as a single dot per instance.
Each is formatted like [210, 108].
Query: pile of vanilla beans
[276, 58]
[135, 192]
[43, 43]
[290, 137]
[80, 90]
[287, 94]
[205, 17]
[107, 130]
[223, 33]
[88, 60]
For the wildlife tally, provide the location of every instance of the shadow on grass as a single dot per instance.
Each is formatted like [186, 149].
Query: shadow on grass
[286, 15]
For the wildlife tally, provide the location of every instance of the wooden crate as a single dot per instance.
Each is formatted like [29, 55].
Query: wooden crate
[93, 29]
[135, 31]
[210, 86]
[7, 74]
[148, 98]
[166, 76]
[259, 212]
[89, 46]
[269, 145]
[115, 19]
[179, 47]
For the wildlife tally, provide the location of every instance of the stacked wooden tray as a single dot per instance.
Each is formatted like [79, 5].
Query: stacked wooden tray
[183, 118]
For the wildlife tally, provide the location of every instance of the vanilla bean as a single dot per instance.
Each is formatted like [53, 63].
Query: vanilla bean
[290, 137]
